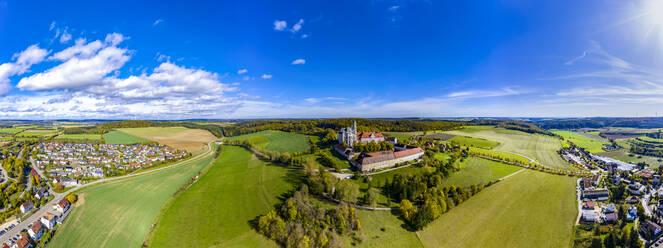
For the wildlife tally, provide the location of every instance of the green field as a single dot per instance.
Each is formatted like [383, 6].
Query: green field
[478, 170]
[583, 141]
[539, 147]
[651, 140]
[119, 137]
[623, 155]
[37, 133]
[119, 214]
[276, 140]
[79, 136]
[12, 130]
[474, 142]
[216, 210]
[529, 209]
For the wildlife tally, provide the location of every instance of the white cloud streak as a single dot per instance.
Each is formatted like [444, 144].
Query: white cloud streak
[280, 25]
[299, 62]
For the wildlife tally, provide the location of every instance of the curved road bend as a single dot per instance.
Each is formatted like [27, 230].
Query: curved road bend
[5, 238]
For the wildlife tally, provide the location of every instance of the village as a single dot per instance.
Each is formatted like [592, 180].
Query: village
[67, 163]
[619, 195]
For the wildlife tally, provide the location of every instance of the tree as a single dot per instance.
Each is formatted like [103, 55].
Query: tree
[596, 243]
[72, 197]
[59, 186]
[371, 197]
[407, 209]
[633, 240]
[609, 241]
[347, 191]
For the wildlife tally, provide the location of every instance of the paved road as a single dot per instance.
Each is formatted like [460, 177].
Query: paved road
[48, 207]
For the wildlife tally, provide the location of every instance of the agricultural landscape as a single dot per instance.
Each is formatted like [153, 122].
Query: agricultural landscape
[337, 124]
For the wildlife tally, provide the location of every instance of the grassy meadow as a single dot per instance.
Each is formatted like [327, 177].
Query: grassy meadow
[119, 214]
[589, 144]
[119, 137]
[541, 148]
[529, 209]
[191, 140]
[276, 140]
[479, 170]
[216, 210]
[474, 142]
[79, 136]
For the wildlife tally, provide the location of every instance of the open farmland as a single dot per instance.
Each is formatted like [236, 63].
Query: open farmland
[119, 137]
[276, 140]
[589, 144]
[539, 147]
[119, 214]
[80, 136]
[474, 142]
[37, 133]
[528, 209]
[216, 210]
[478, 170]
[178, 137]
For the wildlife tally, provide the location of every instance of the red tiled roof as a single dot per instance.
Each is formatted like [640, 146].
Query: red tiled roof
[364, 135]
[36, 226]
[408, 152]
[63, 203]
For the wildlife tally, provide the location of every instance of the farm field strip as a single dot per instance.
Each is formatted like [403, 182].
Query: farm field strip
[580, 140]
[119, 213]
[191, 140]
[539, 147]
[528, 209]
[217, 209]
[478, 170]
[276, 140]
[119, 137]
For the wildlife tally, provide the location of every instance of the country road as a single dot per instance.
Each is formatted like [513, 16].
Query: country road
[5, 238]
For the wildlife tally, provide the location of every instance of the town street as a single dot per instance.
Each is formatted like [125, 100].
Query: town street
[5, 238]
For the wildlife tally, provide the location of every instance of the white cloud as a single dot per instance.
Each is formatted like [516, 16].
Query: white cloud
[157, 22]
[86, 84]
[314, 100]
[242, 71]
[394, 8]
[298, 26]
[23, 61]
[66, 36]
[84, 65]
[484, 93]
[299, 62]
[304, 36]
[266, 76]
[52, 26]
[162, 57]
[280, 25]
[570, 62]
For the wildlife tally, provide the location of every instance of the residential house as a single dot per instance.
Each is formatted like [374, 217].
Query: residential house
[41, 192]
[596, 194]
[610, 208]
[62, 206]
[636, 189]
[650, 229]
[590, 205]
[632, 213]
[36, 230]
[24, 242]
[589, 216]
[27, 206]
[48, 219]
[611, 217]
[631, 200]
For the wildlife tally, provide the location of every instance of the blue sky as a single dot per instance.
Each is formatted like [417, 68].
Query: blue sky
[254, 59]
